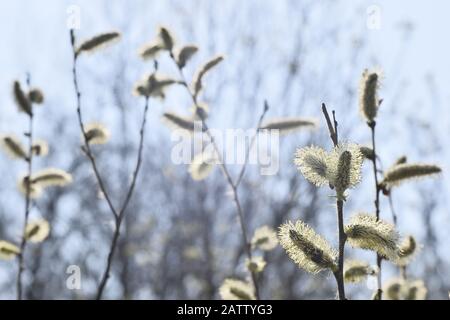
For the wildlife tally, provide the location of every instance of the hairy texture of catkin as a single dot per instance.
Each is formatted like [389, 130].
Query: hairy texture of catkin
[400, 173]
[312, 163]
[153, 85]
[198, 84]
[234, 289]
[202, 165]
[185, 54]
[96, 133]
[22, 101]
[264, 238]
[8, 250]
[399, 289]
[288, 125]
[179, 123]
[344, 167]
[13, 147]
[306, 248]
[407, 251]
[392, 289]
[342, 181]
[51, 177]
[98, 42]
[368, 95]
[256, 264]
[365, 232]
[37, 231]
[357, 271]
[367, 153]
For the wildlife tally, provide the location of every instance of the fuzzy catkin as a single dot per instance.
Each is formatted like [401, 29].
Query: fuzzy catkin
[365, 232]
[400, 173]
[179, 122]
[8, 250]
[368, 100]
[185, 54]
[202, 165]
[234, 289]
[264, 238]
[96, 133]
[357, 271]
[13, 147]
[97, 42]
[37, 231]
[309, 250]
[198, 84]
[288, 125]
[342, 181]
[407, 251]
[22, 101]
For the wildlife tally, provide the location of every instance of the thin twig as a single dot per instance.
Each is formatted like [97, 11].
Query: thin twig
[339, 274]
[372, 126]
[118, 214]
[233, 186]
[23, 243]
[252, 142]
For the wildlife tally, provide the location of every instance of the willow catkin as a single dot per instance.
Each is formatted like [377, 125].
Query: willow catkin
[51, 177]
[366, 232]
[407, 250]
[367, 153]
[25, 187]
[98, 42]
[264, 238]
[312, 163]
[344, 165]
[151, 50]
[37, 231]
[357, 271]
[400, 173]
[401, 160]
[198, 83]
[13, 147]
[368, 99]
[96, 133]
[234, 289]
[184, 54]
[256, 264]
[8, 250]
[35, 95]
[342, 180]
[179, 123]
[22, 101]
[414, 290]
[40, 148]
[153, 85]
[202, 165]
[392, 289]
[288, 125]
[167, 39]
[306, 248]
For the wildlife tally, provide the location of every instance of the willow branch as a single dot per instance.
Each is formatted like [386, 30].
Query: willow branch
[339, 274]
[372, 126]
[23, 242]
[118, 214]
[226, 173]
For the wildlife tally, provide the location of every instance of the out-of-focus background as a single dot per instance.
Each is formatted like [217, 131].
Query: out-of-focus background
[180, 237]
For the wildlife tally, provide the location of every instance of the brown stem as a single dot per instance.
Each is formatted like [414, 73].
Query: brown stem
[339, 274]
[233, 186]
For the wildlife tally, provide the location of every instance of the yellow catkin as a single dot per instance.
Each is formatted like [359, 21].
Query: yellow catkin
[306, 248]
[288, 125]
[185, 54]
[234, 289]
[400, 173]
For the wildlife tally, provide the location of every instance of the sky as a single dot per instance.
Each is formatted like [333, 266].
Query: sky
[34, 38]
